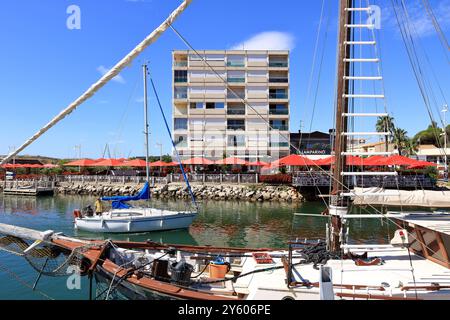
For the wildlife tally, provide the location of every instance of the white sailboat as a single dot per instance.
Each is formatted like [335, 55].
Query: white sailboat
[124, 218]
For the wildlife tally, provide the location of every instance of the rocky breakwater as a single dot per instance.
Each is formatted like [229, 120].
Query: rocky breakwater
[253, 193]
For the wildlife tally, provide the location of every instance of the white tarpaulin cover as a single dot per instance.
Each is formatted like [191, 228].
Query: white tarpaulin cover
[414, 198]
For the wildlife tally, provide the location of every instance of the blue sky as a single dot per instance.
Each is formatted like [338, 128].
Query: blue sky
[45, 66]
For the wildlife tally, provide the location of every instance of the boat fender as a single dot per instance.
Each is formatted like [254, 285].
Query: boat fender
[76, 214]
[366, 263]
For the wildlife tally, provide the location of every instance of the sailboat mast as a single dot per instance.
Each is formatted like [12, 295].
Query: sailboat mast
[147, 167]
[338, 203]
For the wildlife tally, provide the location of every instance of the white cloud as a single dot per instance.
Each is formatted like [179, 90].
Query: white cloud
[419, 18]
[103, 70]
[269, 40]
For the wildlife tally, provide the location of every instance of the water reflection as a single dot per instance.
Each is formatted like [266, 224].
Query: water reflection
[237, 224]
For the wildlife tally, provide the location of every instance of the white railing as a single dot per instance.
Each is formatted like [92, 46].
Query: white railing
[171, 178]
[30, 184]
[313, 179]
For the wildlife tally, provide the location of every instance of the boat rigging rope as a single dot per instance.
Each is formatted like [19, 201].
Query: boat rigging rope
[23, 282]
[438, 28]
[191, 193]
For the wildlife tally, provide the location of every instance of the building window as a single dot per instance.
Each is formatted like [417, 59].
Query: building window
[279, 125]
[234, 124]
[236, 61]
[180, 124]
[181, 142]
[180, 93]
[277, 94]
[215, 105]
[235, 109]
[196, 105]
[236, 141]
[278, 109]
[180, 76]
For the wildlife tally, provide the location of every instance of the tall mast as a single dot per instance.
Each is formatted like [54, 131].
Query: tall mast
[147, 167]
[339, 205]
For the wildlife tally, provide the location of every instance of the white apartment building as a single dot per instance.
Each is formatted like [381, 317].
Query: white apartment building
[231, 103]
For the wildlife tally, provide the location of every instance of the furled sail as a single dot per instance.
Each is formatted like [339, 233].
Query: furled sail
[414, 198]
[119, 202]
[105, 79]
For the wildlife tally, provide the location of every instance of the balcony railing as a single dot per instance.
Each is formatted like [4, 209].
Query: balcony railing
[236, 80]
[181, 144]
[236, 145]
[279, 111]
[236, 127]
[240, 111]
[236, 64]
[278, 96]
[281, 128]
[180, 63]
[236, 96]
[182, 95]
[278, 79]
[278, 64]
[180, 79]
[279, 144]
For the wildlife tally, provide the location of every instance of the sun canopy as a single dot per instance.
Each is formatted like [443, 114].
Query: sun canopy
[119, 202]
[81, 163]
[198, 161]
[232, 161]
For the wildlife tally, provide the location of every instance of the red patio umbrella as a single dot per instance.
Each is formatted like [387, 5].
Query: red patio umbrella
[136, 163]
[50, 165]
[232, 161]
[294, 160]
[396, 160]
[198, 162]
[422, 164]
[325, 161]
[258, 164]
[163, 164]
[11, 166]
[81, 163]
[109, 163]
[34, 166]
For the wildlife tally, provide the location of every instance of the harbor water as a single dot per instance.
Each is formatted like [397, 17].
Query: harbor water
[231, 224]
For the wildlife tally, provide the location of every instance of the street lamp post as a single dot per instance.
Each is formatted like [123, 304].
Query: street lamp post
[444, 111]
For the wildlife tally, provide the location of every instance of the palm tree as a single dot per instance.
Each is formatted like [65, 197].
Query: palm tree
[400, 139]
[412, 147]
[386, 124]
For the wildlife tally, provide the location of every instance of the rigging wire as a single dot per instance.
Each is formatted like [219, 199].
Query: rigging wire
[191, 193]
[283, 136]
[437, 27]
[406, 30]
